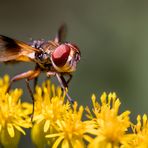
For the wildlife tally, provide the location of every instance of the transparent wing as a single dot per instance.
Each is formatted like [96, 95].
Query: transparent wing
[11, 49]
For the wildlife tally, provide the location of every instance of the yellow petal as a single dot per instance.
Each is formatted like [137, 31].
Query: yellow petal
[54, 135]
[10, 130]
[77, 143]
[93, 97]
[0, 127]
[65, 144]
[103, 98]
[6, 78]
[38, 118]
[19, 129]
[144, 120]
[46, 125]
[53, 90]
[57, 142]
[88, 138]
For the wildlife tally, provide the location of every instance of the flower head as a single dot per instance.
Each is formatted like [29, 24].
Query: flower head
[139, 137]
[111, 126]
[49, 103]
[56, 121]
[49, 107]
[14, 115]
[71, 130]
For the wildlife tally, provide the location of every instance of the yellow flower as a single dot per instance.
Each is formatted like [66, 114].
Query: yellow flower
[4, 82]
[139, 137]
[72, 132]
[14, 115]
[49, 103]
[49, 107]
[111, 126]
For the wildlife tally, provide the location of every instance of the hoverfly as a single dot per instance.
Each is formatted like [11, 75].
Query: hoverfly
[55, 57]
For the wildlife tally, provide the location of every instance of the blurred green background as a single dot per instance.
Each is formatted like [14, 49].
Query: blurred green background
[112, 36]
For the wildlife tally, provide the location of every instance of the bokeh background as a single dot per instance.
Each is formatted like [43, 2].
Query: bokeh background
[112, 36]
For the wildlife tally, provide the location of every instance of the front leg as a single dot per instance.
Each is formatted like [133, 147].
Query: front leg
[66, 82]
[62, 83]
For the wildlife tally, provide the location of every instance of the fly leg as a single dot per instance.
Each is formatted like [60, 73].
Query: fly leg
[35, 83]
[64, 86]
[29, 75]
[31, 94]
[33, 76]
[62, 83]
[23, 76]
[36, 78]
[66, 81]
[70, 77]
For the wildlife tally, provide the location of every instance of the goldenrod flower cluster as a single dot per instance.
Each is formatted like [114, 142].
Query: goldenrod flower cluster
[57, 123]
[14, 115]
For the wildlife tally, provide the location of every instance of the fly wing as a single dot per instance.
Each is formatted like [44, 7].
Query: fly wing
[61, 34]
[13, 50]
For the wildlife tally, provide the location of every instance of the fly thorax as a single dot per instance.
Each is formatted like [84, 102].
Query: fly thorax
[42, 58]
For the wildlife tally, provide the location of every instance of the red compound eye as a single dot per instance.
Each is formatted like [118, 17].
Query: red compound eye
[60, 55]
